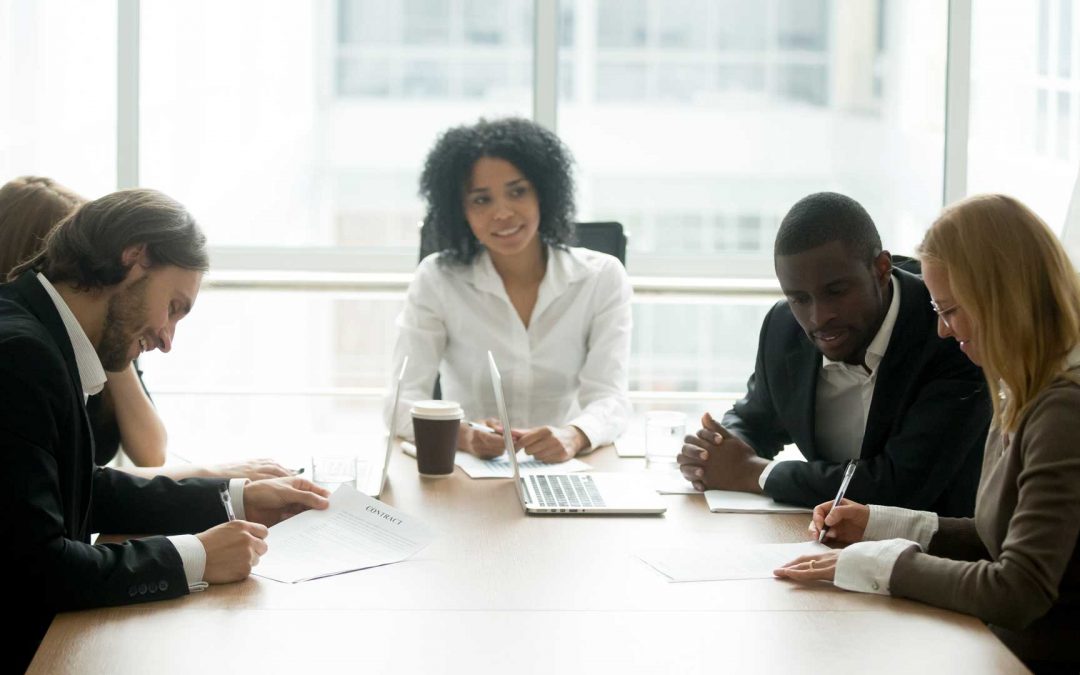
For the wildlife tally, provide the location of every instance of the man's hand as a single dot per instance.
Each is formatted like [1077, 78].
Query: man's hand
[553, 444]
[271, 501]
[232, 549]
[715, 459]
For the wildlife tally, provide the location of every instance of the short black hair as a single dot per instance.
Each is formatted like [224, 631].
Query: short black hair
[86, 248]
[533, 150]
[825, 217]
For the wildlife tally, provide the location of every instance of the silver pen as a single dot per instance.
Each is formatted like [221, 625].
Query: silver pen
[226, 501]
[848, 473]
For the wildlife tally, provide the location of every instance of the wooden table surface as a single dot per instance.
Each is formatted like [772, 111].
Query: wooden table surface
[499, 591]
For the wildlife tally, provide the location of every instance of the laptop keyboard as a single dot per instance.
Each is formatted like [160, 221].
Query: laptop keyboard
[564, 491]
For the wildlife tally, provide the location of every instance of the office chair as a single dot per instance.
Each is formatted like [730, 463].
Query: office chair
[605, 237]
[908, 264]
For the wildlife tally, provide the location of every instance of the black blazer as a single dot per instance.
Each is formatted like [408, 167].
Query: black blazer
[923, 444]
[53, 496]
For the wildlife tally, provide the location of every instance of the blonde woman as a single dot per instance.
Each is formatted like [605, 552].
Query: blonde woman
[1004, 288]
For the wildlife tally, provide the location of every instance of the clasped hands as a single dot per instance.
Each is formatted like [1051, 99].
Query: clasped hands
[233, 548]
[547, 444]
[716, 459]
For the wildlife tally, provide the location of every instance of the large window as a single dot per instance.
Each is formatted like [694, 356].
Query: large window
[1025, 102]
[58, 78]
[296, 131]
[697, 124]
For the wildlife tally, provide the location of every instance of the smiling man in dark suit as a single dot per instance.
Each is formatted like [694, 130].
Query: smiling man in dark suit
[849, 366]
[112, 282]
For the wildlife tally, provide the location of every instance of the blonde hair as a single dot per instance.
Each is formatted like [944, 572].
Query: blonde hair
[30, 206]
[1014, 280]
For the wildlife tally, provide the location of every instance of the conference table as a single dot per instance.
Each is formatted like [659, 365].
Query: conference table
[499, 591]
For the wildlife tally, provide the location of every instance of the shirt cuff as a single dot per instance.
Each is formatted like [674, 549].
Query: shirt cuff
[765, 474]
[893, 522]
[592, 428]
[866, 567]
[236, 494]
[193, 556]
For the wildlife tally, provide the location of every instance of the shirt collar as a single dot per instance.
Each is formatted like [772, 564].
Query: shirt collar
[91, 374]
[564, 267]
[875, 351]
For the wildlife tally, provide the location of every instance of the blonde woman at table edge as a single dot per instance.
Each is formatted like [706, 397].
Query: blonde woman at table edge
[122, 416]
[500, 201]
[1004, 288]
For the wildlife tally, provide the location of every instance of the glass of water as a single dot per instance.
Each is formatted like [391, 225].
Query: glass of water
[664, 432]
[333, 471]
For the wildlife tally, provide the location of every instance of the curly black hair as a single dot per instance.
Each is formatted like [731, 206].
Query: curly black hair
[533, 150]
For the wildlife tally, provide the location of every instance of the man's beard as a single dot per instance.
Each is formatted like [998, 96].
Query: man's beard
[125, 314]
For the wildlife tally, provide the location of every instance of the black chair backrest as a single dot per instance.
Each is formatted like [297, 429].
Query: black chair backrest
[908, 264]
[607, 237]
[604, 237]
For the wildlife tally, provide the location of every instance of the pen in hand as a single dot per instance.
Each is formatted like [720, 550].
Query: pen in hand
[226, 501]
[848, 473]
[481, 427]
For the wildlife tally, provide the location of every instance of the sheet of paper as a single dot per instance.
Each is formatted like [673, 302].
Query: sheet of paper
[500, 466]
[672, 483]
[747, 561]
[723, 501]
[356, 532]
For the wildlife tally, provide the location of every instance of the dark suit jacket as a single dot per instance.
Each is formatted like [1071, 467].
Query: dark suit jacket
[53, 496]
[928, 419]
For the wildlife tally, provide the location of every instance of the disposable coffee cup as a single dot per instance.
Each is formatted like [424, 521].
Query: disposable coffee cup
[435, 427]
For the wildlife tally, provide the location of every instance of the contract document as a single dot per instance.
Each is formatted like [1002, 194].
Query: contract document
[747, 561]
[356, 532]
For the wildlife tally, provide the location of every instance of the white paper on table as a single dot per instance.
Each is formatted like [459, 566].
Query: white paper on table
[474, 467]
[724, 501]
[672, 483]
[747, 561]
[500, 466]
[356, 532]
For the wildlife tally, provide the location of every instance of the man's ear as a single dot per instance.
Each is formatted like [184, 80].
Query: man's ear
[135, 255]
[883, 267]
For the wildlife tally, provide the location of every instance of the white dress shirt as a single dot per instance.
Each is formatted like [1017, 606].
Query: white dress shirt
[92, 377]
[844, 394]
[569, 367]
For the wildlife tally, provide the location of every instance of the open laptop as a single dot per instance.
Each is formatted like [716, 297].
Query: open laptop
[372, 479]
[575, 492]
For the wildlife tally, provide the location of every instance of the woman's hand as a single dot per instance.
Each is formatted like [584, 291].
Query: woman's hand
[483, 444]
[252, 469]
[820, 567]
[553, 444]
[847, 522]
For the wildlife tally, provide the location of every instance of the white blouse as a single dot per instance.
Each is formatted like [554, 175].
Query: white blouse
[569, 367]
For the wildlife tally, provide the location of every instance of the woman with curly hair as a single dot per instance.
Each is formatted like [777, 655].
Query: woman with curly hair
[1004, 288]
[557, 318]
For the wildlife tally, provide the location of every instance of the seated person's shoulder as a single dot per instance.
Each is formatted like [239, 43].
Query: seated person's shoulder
[25, 345]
